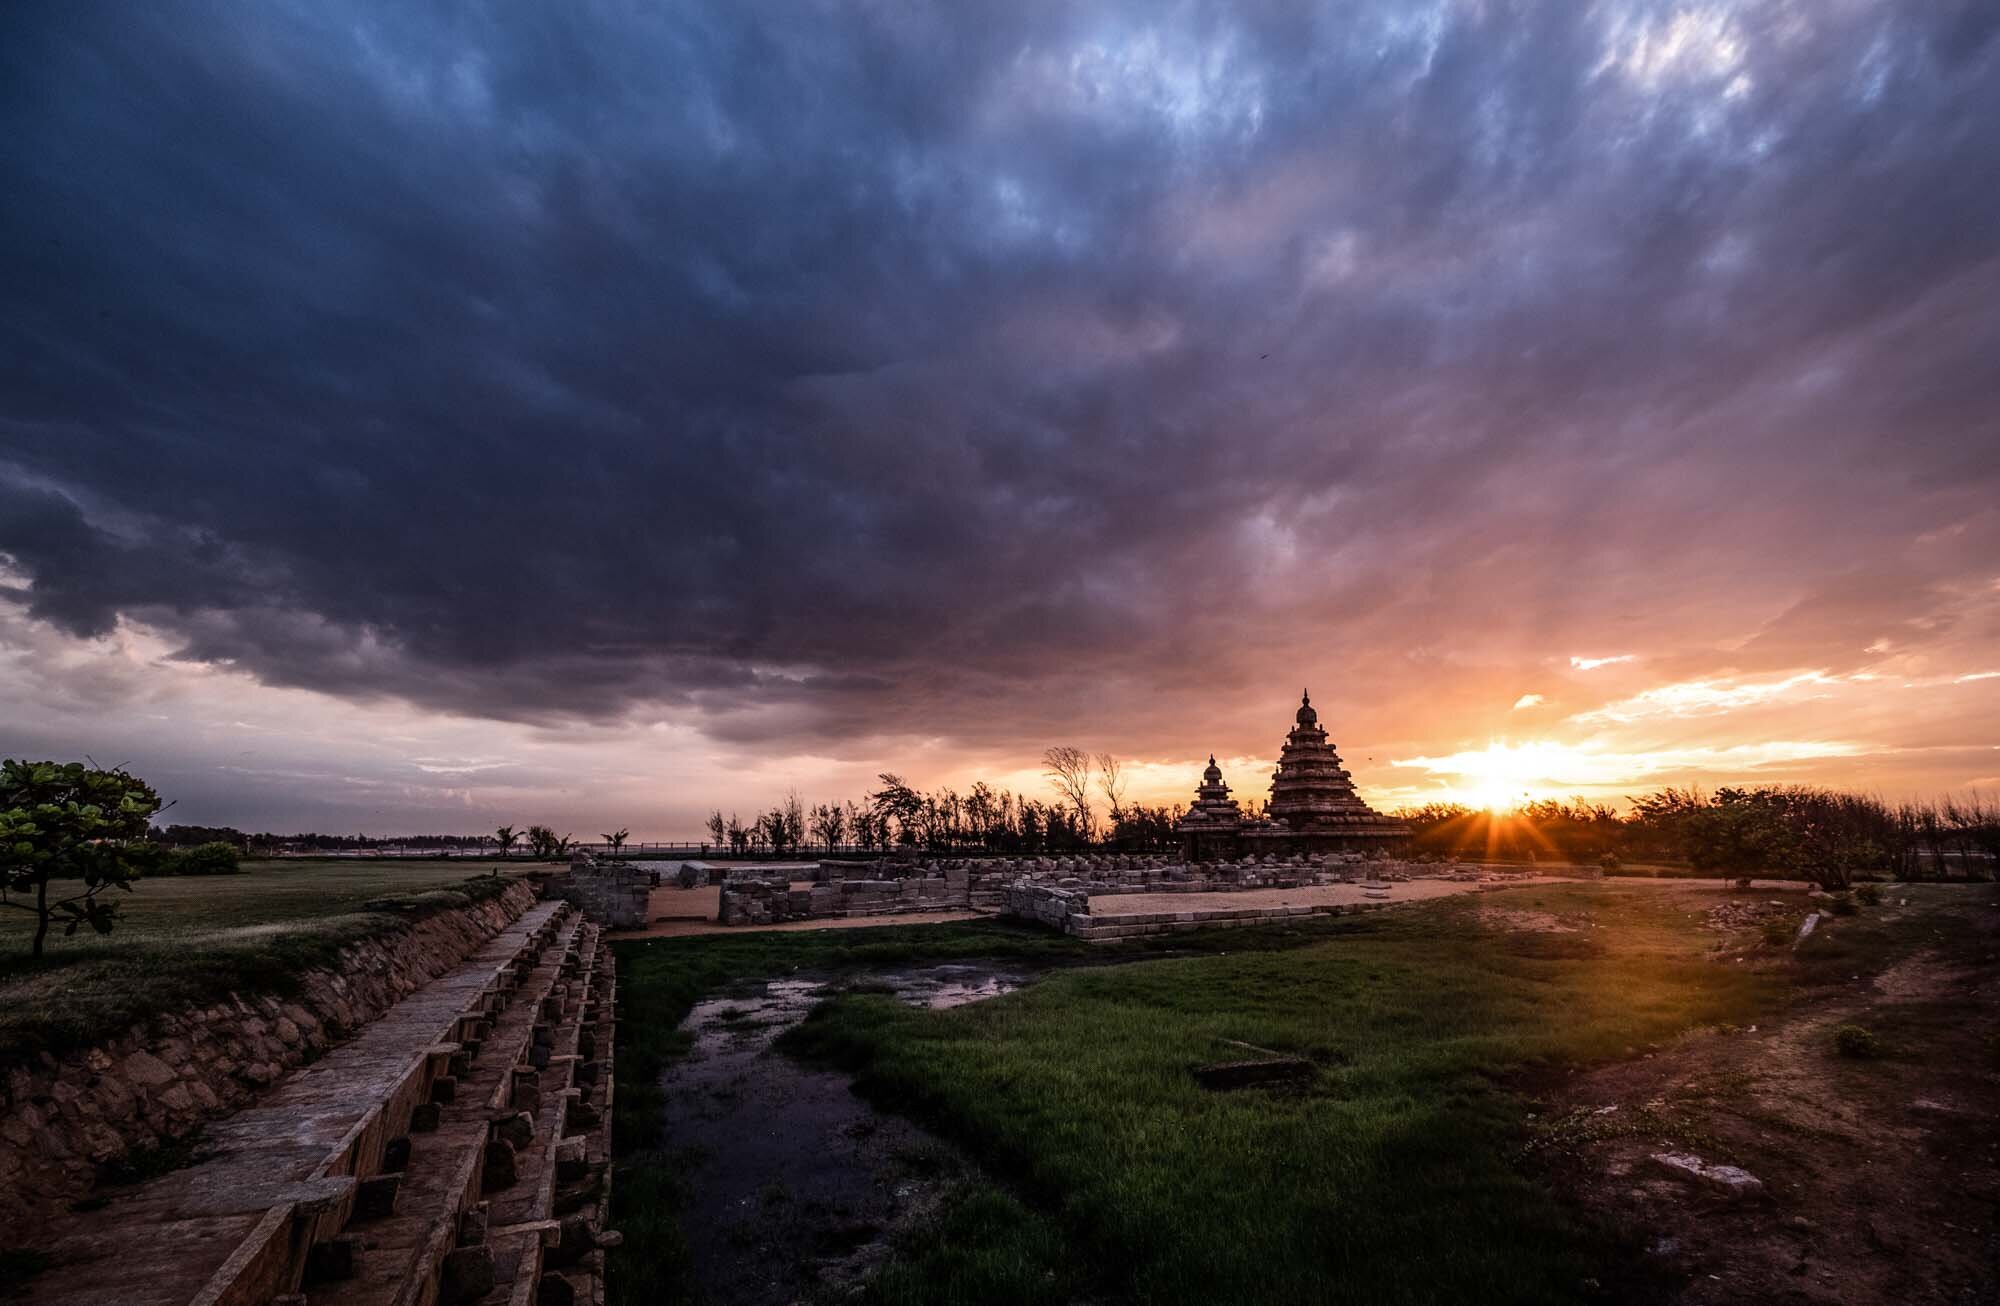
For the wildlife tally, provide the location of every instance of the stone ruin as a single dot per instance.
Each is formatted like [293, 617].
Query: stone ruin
[890, 886]
[609, 893]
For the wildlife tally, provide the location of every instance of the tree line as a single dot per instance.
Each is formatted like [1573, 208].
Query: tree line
[1824, 835]
[981, 819]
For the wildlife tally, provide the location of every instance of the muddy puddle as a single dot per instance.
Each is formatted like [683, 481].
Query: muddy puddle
[795, 1181]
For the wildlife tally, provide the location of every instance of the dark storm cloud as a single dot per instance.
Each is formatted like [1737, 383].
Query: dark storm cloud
[858, 368]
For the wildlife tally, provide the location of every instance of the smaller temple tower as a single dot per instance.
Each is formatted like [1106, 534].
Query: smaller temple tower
[1209, 829]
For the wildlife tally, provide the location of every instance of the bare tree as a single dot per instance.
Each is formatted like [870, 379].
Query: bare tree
[717, 832]
[1111, 782]
[1068, 770]
[793, 814]
[829, 823]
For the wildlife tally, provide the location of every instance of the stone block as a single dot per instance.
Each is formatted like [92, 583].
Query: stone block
[375, 1196]
[500, 1168]
[466, 1276]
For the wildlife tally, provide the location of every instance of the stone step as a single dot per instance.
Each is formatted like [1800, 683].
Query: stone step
[431, 1246]
[283, 1176]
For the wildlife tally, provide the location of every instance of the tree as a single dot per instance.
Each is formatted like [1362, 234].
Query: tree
[69, 822]
[829, 824]
[739, 837]
[617, 839]
[1741, 832]
[1111, 782]
[505, 837]
[896, 799]
[545, 844]
[1068, 770]
[793, 816]
[717, 832]
[773, 829]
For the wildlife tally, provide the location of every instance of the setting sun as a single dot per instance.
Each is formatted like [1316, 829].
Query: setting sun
[1502, 776]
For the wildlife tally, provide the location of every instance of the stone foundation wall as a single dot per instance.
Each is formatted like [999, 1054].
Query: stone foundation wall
[62, 1116]
[613, 894]
[891, 885]
[767, 900]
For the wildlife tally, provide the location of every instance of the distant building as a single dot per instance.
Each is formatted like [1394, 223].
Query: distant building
[1313, 807]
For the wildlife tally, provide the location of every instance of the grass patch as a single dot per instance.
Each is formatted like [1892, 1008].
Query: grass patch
[1393, 1176]
[189, 942]
[1858, 1042]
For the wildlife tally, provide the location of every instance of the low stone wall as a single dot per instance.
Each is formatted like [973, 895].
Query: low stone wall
[768, 900]
[63, 1116]
[1062, 909]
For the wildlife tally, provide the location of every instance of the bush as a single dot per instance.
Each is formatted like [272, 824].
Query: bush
[1742, 881]
[202, 859]
[1869, 895]
[1856, 1041]
[1841, 905]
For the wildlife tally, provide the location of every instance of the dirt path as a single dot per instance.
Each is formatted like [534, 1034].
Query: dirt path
[1880, 1175]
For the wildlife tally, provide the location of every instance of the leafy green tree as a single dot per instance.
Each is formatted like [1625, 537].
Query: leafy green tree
[617, 839]
[505, 838]
[69, 822]
[1741, 832]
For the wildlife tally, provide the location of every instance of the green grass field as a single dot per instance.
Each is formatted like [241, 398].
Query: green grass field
[183, 941]
[1113, 1177]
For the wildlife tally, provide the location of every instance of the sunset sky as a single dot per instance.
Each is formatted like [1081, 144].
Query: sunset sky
[417, 417]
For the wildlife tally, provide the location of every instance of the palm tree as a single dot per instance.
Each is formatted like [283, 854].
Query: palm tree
[617, 840]
[505, 837]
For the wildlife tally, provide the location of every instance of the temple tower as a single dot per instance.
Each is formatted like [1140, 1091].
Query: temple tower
[1310, 785]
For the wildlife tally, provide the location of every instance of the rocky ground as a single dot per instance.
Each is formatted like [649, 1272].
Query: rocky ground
[1764, 1164]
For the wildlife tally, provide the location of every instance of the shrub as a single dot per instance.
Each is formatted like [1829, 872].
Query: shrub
[202, 859]
[1856, 1041]
[1869, 895]
[1610, 862]
[1841, 905]
[1743, 882]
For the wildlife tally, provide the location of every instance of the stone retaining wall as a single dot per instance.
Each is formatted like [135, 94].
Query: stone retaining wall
[62, 1116]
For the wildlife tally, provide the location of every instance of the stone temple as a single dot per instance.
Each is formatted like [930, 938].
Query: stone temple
[1313, 807]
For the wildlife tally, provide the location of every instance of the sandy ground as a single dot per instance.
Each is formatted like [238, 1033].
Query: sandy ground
[1137, 904]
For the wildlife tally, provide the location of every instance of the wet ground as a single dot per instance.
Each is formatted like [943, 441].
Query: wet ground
[795, 1181]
